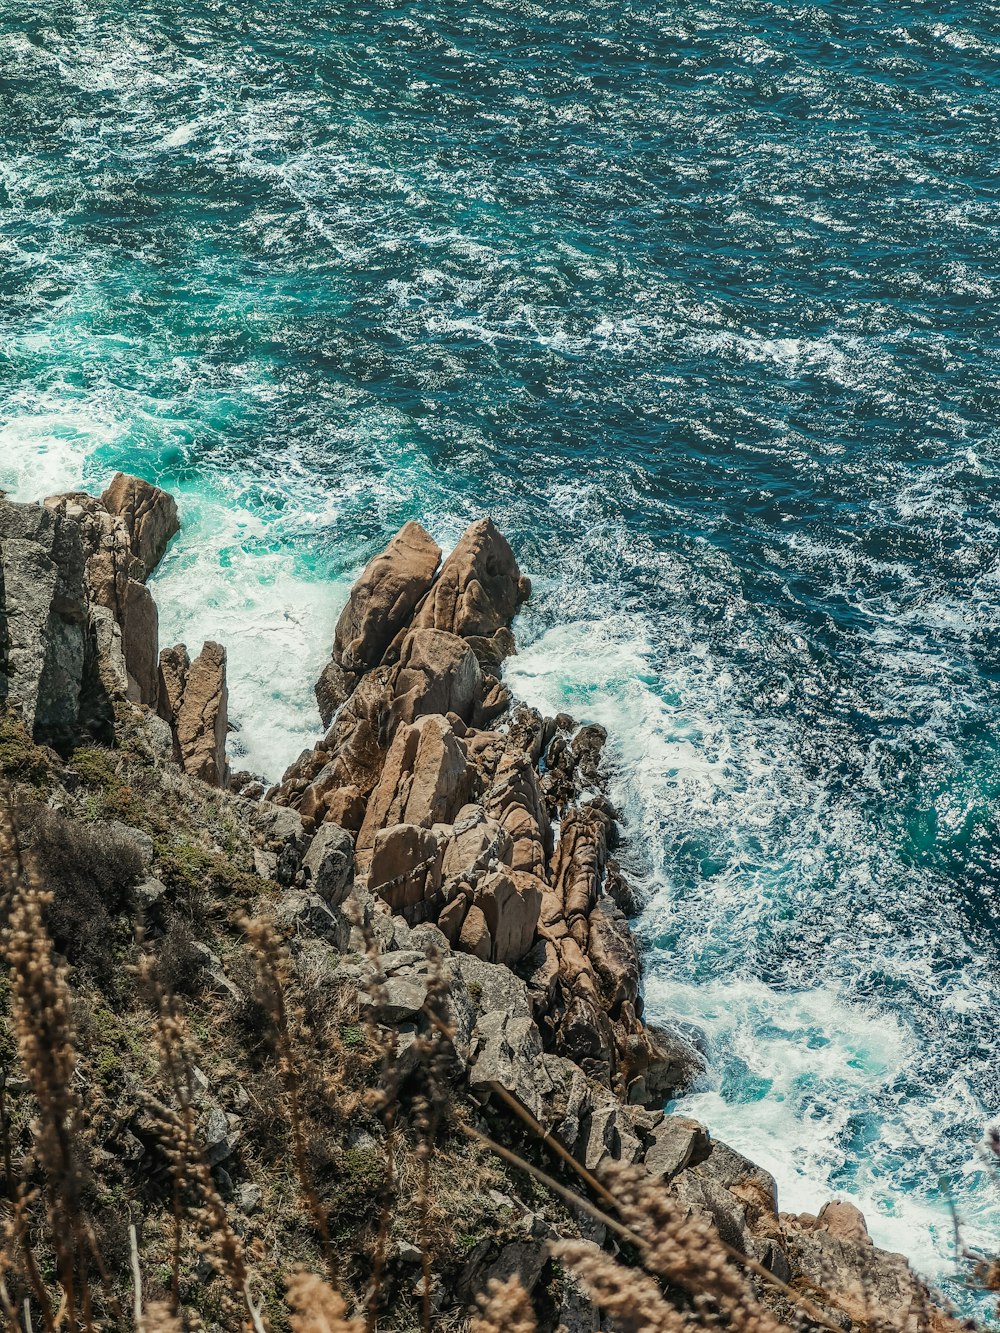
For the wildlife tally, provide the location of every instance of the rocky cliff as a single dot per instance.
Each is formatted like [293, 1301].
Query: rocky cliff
[440, 863]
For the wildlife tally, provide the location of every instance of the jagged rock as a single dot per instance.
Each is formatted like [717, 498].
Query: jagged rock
[48, 657]
[149, 515]
[475, 842]
[437, 673]
[427, 778]
[492, 652]
[587, 746]
[330, 862]
[175, 664]
[479, 587]
[612, 950]
[248, 1199]
[307, 915]
[196, 695]
[607, 1136]
[516, 803]
[474, 936]
[857, 1279]
[677, 1143]
[843, 1220]
[124, 535]
[398, 997]
[663, 1064]
[578, 867]
[384, 598]
[505, 1044]
[346, 807]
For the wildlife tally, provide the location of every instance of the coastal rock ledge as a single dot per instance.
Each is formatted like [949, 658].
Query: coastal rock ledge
[460, 833]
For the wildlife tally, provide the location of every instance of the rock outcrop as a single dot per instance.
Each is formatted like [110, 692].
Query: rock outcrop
[124, 536]
[49, 668]
[451, 796]
[79, 627]
[381, 604]
[195, 701]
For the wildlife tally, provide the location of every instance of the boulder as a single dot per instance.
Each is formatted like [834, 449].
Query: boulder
[855, 1279]
[479, 588]
[475, 842]
[406, 869]
[437, 673]
[474, 937]
[384, 598]
[515, 802]
[843, 1220]
[510, 902]
[330, 863]
[334, 687]
[149, 515]
[427, 778]
[678, 1142]
[613, 954]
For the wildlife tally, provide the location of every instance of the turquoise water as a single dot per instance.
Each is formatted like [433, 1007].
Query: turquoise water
[699, 300]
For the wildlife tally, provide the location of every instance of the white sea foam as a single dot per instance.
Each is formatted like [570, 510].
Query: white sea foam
[219, 581]
[46, 450]
[791, 1070]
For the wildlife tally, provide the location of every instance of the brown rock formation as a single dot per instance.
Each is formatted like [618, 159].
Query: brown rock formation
[479, 588]
[426, 780]
[404, 763]
[384, 598]
[195, 700]
[148, 514]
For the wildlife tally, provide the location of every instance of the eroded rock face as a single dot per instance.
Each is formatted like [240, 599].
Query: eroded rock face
[47, 655]
[437, 673]
[426, 779]
[124, 535]
[406, 870]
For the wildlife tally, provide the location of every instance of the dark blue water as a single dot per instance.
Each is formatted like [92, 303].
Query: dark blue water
[699, 300]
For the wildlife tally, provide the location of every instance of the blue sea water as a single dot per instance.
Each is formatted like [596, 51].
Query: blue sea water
[699, 300]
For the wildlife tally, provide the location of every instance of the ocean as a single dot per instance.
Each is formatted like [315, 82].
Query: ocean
[697, 300]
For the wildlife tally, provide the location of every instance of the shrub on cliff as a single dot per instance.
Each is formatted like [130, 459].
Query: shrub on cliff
[90, 874]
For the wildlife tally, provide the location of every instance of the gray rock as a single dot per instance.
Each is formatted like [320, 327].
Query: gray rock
[676, 1141]
[248, 1198]
[330, 862]
[306, 914]
[577, 1313]
[265, 863]
[219, 1142]
[150, 894]
[608, 1136]
[396, 999]
[48, 661]
[280, 831]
